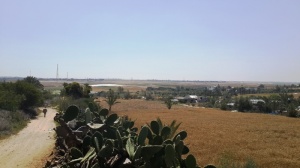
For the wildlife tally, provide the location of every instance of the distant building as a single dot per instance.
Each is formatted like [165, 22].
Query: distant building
[191, 99]
[255, 101]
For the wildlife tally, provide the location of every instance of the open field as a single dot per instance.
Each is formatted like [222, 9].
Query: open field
[271, 141]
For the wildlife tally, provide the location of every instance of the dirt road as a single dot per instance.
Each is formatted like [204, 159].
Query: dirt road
[31, 146]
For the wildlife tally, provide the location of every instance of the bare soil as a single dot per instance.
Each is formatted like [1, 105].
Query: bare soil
[31, 147]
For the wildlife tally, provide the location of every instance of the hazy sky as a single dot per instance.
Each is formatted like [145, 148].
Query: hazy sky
[253, 40]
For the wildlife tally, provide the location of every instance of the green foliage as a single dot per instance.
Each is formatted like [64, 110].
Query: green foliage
[34, 81]
[75, 90]
[168, 102]
[292, 112]
[227, 160]
[22, 94]
[113, 141]
[244, 104]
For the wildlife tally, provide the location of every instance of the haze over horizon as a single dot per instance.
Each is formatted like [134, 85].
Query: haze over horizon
[164, 40]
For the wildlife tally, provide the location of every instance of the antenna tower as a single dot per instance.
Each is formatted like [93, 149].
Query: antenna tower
[57, 73]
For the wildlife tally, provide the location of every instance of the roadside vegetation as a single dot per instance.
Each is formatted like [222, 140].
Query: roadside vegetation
[18, 102]
[94, 138]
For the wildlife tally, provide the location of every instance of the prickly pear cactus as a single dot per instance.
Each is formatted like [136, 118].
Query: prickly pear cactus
[71, 113]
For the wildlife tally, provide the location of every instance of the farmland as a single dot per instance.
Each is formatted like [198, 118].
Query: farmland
[268, 140]
[271, 141]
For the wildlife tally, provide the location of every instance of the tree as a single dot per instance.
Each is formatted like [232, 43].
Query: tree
[127, 95]
[86, 90]
[34, 81]
[32, 95]
[111, 99]
[168, 102]
[292, 112]
[73, 89]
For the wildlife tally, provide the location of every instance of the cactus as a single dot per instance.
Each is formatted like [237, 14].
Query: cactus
[119, 138]
[183, 135]
[185, 150]
[86, 143]
[154, 127]
[111, 119]
[130, 148]
[190, 161]
[88, 115]
[179, 148]
[137, 153]
[103, 112]
[149, 151]
[105, 152]
[75, 153]
[71, 113]
[165, 132]
[143, 135]
[170, 158]
[95, 126]
[157, 140]
[113, 141]
[97, 141]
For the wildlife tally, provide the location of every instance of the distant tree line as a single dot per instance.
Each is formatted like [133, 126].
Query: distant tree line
[280, 99]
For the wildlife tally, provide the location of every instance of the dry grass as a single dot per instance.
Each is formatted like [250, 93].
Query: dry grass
[271, 141]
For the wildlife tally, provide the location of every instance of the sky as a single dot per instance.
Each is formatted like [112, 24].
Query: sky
[205, 40]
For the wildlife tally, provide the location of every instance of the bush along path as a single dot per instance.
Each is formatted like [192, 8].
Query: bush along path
[94, 139]
[30, 147]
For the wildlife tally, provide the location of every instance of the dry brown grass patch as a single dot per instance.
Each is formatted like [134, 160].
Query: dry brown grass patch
[271, 141]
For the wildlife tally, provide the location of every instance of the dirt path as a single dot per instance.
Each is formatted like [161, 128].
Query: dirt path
[31, 146]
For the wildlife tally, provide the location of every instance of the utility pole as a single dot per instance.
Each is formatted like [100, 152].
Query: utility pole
[57, 73]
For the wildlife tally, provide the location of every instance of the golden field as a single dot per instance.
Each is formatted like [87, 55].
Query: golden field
[269, 140]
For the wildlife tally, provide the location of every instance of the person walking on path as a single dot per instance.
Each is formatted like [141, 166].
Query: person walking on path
[44, 111]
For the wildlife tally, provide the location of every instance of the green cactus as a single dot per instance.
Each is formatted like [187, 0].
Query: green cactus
[92, 107]
[179, 148]
[111, 119]
[149, 150]
[170, 156]
[183, 135]
[75, 153]
[154, 127]
[105, 152]
[190, 162]
[137, 153]
[95, 126]
[119, 138]
[130, 148]
[71, 113]
[86, 142]
[96, 165]
[97, 141]
[157, 140]
[143, 135]
[89, 154]
[185, 150]
[104, 112]
[88, 115]
[165, 132]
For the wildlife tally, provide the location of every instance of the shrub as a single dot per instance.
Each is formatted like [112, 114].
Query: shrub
[292, 112]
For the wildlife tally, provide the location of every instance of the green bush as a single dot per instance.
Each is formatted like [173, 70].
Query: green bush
[227, 160]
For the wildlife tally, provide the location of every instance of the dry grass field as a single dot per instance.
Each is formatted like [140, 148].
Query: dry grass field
[269, 140]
